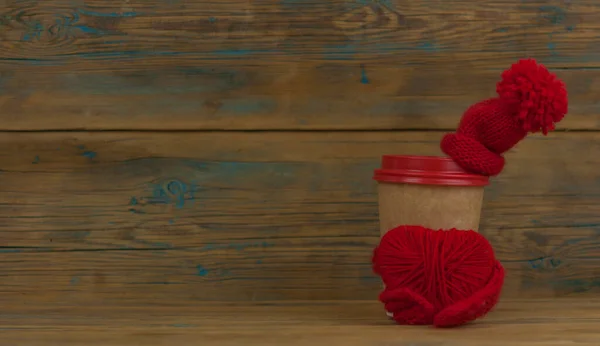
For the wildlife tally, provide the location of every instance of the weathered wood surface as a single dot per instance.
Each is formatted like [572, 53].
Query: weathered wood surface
[134, 217]
[341, 323]
[262, 64]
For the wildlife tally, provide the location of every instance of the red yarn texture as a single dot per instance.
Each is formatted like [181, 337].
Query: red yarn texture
[444, 278]
[530, 99]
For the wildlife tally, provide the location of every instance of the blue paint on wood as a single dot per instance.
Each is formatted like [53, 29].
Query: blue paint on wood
[363, 75]
[201, 271]
[240, 52]
[33, 32]
[89, 154]
[551, 45]
[428, 47]
[133, 201]
[386, 3]
[9, 250]
[595, 226]
[88, 30]
[33, 62]
[331, 52]
[129, 54]
[545, 262]
[75, 280]
[64, 26]
[36, 160]
[174, 192]
[553, 260]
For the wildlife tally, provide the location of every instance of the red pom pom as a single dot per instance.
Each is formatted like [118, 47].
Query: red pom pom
[540, 95]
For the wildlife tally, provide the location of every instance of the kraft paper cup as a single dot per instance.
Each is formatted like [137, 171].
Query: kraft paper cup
[429, 191]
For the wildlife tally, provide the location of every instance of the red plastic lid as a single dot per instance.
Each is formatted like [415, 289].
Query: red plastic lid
[426, 170]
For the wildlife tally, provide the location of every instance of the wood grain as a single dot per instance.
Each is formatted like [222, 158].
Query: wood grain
[238, 65]
[486, 33]
[348, 323]
[143, 217]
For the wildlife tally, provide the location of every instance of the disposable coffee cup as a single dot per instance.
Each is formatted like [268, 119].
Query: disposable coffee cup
[428, 191]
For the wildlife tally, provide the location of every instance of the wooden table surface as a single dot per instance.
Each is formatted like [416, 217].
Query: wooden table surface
[348, 323]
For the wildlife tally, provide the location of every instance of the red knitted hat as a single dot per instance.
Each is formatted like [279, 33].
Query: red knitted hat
[530, 99]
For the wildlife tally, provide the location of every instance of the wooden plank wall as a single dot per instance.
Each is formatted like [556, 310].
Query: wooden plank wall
[170, 151]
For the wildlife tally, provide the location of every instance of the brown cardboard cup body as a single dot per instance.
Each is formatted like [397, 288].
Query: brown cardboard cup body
[431, 206]
[429, 191]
